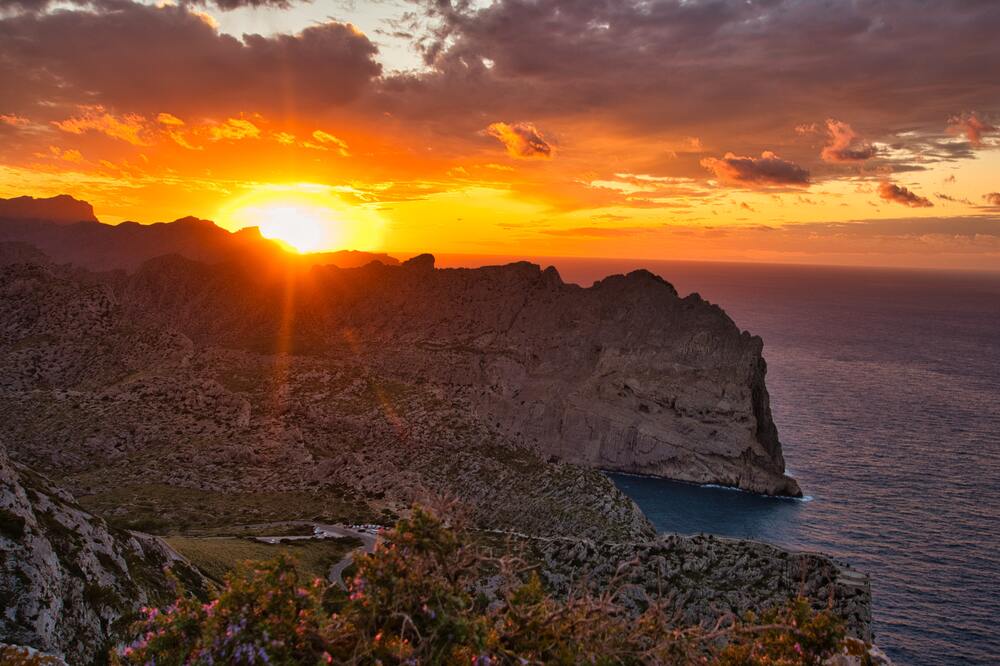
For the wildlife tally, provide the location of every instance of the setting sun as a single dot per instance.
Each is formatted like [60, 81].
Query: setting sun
[304, 219]
[302, 228]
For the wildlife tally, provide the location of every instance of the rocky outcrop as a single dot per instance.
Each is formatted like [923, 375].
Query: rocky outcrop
[704, 577]
[625, 375]
[68, 583]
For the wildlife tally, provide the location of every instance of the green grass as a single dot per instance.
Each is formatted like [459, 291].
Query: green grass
[217, 556]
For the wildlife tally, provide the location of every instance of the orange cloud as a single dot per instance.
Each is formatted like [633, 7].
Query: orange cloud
[13, 120]
[767, 170]
[129, 127]
[899, 194]
[522, 140]
[234, 129]
[169, 119]
[71, 155]
[971, 126]
[845, 145]
[328, 141]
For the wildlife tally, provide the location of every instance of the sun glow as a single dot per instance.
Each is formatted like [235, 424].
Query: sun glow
[300, 227]
[304, 220]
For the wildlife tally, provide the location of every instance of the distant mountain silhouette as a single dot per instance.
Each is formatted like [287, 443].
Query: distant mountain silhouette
[62, 209]
[67, 231]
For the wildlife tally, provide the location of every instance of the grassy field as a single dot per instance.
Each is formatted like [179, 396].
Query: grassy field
[216, 556]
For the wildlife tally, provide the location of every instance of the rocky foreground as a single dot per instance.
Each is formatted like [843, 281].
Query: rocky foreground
[68, 582]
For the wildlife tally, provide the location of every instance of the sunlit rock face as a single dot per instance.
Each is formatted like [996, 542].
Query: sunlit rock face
[624, 375]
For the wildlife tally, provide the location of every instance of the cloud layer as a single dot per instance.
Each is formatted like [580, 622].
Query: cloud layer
[143, 59]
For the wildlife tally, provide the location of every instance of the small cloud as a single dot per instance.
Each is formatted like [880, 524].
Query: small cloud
[899, 194]
[169, 119]
[810, 128]
[768, 169]
[234, 129]
[947, 197]
[70, 155]
[745, 206]
[13, 120]
[845, 145]
[284, 138]
[993, 198]
[970, 125]
[950, 179]
[328, 141]
[129, 128]
[522, 140]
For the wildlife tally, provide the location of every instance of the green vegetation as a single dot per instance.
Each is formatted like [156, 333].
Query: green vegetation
[218, 556]
[413, 601]
[167, 509]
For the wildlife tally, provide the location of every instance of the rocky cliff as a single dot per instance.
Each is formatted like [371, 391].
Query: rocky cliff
[68, 583]
[625, 375]
[121, 408]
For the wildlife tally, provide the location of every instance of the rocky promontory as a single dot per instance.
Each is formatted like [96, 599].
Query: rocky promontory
[625, 375]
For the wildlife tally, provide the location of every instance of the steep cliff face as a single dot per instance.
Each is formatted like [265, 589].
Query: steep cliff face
[625, 375]
[69, 584]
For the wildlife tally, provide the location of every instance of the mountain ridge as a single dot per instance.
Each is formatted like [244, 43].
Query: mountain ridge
[67, 231]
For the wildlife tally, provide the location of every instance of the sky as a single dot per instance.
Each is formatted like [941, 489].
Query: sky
[855, 132]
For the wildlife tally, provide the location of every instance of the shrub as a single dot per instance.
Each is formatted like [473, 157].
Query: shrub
[413, 601]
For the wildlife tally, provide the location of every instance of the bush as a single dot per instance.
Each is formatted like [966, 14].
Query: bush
[413, 601]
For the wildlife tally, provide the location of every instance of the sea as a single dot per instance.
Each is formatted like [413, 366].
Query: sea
[885, 386]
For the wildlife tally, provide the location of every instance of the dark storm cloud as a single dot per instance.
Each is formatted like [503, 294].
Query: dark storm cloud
[899, 194]
[766, 170]
[147, 59]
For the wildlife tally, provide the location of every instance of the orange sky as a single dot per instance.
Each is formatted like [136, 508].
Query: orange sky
[848, 133]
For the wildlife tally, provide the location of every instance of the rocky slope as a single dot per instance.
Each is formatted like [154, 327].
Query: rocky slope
[121, 409]
[68, 583]
[625, 375]
[704, 576]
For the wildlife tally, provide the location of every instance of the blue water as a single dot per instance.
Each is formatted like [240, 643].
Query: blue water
[885, 386]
